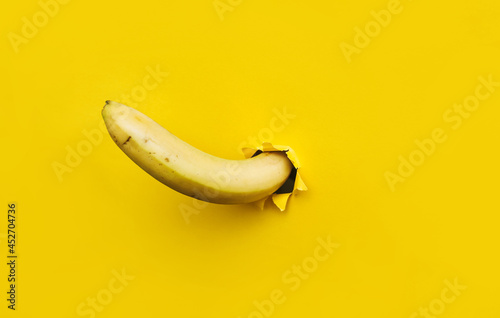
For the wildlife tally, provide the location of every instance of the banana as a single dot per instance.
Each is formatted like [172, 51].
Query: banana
[191, 171]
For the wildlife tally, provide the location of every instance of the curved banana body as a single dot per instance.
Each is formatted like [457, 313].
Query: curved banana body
[191, 171]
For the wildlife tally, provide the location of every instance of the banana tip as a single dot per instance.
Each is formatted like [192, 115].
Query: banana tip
[103, 113]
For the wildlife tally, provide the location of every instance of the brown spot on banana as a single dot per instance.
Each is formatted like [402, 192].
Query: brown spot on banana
[127, 140]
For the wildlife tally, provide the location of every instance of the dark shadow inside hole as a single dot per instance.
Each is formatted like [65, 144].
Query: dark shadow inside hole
[287, 187]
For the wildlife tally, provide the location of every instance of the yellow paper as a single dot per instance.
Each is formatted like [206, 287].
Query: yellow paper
[354, 106]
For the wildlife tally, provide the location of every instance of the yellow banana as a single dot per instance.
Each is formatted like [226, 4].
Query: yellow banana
[188, 170]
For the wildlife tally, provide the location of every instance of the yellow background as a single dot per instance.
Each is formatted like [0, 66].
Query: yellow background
[227, 78]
